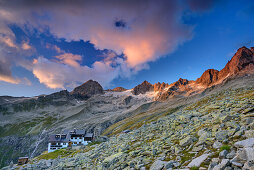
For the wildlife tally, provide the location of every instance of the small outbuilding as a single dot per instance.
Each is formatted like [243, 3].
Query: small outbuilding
[22, 160]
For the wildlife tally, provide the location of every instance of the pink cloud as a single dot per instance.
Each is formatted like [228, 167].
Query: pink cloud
[70, 59]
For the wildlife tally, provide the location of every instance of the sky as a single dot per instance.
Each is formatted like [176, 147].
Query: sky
[48, 46]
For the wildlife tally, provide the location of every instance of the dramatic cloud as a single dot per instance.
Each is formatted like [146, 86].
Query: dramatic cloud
[141, 30]
[58, 75]
[12, 54]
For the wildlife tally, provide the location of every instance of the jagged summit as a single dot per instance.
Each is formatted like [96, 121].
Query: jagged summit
[118, 89]
[208, 77]
[180, 82]
[160, 86]
[88, 89]
[243, 60]
[142, 88]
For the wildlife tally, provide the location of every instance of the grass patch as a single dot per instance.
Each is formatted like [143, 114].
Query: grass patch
[93, 143]
[23, 128]
[56, 154]
[225, 147]
[194, 168]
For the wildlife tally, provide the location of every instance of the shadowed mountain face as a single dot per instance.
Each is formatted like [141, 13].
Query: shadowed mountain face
[142, 88]
[208, 77]
[87, 89]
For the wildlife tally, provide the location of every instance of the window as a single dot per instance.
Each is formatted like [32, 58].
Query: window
[64, 143]
[71, 137]
[76, 138]
[75, 142]
[79, 142]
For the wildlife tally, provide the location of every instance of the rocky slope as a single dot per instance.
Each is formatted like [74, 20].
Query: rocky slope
[214, 131]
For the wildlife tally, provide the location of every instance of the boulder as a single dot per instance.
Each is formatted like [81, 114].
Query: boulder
[217, 145]
[158, 165]
[186, 141]
[245, 143]
[249, 153]
[237, 164]
[221, 135]
[223, 154]
[231, 155]
[224, 163]
[249, 133]
[197, 161]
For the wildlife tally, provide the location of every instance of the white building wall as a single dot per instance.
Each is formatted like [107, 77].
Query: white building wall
[78, 140]
[50, 149]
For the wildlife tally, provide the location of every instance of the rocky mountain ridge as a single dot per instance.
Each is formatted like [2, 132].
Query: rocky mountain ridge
[241, 63]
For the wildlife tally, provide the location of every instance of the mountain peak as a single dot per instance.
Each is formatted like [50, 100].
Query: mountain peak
[208, 77]
[142, 88]
[88, 89]
[181, 82]
[243, 58]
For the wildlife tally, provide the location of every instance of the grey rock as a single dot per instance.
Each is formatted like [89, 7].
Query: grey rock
[198, 148]
[223, 154]
[224, 163]
[237, 164]
[186, 141]
[212, 165]
[169, 164]
[250, 153]
[245, 143]
[216, 160]
[231, 155]
[197, 161]
[221, 135]
[248, 165]
[217, 145]
[158, 165]
[249, 133]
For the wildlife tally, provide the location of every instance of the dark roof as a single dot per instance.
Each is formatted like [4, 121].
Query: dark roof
[78, 132]
[68, 133]
[75, 131]
[88, 135]
[53, 138]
